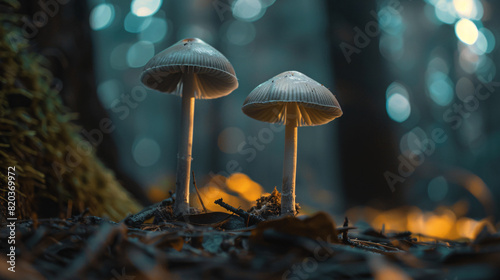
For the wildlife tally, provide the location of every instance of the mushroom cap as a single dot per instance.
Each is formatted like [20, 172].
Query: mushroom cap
[268, 102]
[214, 75]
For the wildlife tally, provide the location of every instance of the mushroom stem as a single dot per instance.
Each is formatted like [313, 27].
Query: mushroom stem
[181, 205]
[289, 163]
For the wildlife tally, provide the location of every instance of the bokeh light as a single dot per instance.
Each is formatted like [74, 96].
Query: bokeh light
[437, 189]
[146, 151]
[398, 107]
[390, 22]
[481, 45]
[240, 33]
[412, 142]
[440, 88]
[463, 7]
[441, 222]
[108, 91]
[155, 31]
[466, 31]
[144, 8]
[438, 64]
[464, 88]
[135, 24]
[472, 9]
[140, 53]
[267, 3]
[468, 60]
[445, 12]
[248, 10]
[486, 69]
[101, 16]
[118, 57]
[449, 11]
[490, 39]
[396, 87]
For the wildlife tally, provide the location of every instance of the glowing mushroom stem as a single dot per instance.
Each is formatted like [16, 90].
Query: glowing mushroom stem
[290, 162]
[181, 206]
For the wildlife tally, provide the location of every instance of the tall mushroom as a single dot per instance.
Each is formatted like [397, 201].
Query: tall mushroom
[293, 99]
[194, 70]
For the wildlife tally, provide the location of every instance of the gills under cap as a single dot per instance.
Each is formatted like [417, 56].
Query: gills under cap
[214, 75]
[268, 102]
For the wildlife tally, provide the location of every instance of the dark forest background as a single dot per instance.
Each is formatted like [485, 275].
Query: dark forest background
[399, 69]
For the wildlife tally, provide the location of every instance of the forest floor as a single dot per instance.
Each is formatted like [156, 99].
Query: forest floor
[244, 245]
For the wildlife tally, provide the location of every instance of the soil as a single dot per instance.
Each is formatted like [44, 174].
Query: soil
[153, 244]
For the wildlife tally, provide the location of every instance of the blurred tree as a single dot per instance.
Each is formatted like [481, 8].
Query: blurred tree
[61, 32]
[368, 142]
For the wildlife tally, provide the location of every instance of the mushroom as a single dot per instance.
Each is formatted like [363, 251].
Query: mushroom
[192, 69]
[293, 99]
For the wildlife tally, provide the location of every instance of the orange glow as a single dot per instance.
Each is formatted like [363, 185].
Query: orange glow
[397, 217]
[478, 188]
[443, 222]
[160, 188]
[438, 225]
[466, 227]
[384, 270]
[238, 190]
[246, 187]
[390, 273]
[157, 194]
[211, 193]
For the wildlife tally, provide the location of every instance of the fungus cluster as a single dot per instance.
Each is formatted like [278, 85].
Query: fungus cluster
[194, 70]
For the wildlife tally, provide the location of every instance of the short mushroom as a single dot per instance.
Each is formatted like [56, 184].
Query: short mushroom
[293, 99]
[194, 70]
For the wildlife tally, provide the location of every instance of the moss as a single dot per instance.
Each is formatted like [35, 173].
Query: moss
[54, 165]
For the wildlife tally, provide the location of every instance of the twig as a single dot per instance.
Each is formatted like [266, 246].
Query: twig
[198, 192]
[138, 219]
[253, 219]
[369, 243]
[344, 234]
[344, 229]
[369, 248]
